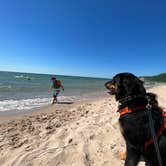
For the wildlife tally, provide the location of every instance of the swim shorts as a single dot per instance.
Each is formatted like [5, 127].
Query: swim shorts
[56, 92]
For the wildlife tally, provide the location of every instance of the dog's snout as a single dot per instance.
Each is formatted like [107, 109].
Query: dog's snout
[109, 85]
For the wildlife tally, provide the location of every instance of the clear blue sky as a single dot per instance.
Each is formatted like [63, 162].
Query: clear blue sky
[83, 37]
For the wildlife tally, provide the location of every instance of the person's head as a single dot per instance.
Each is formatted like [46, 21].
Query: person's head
[53, 78]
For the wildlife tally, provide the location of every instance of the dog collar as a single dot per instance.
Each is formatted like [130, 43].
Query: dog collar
[129, 98]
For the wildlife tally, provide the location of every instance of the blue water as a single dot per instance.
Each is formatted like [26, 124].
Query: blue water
[26, 90]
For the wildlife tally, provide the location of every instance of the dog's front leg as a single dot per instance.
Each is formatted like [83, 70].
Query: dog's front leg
[133, 156]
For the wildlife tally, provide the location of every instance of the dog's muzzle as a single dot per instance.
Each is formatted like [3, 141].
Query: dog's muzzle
[111, 88]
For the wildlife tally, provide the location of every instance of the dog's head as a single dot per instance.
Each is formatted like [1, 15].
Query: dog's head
[125, 84]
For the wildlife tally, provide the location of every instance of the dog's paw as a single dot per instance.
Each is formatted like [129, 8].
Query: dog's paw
[122, 155]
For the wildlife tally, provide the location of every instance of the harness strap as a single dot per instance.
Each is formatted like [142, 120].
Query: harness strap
[162, 128]
[150, 141]
[164, 118]
[126, 110]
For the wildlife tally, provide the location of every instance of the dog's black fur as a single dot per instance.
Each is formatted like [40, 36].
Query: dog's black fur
[135, 126]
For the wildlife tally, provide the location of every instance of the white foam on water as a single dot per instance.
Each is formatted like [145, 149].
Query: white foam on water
[5, 86]
[20, 76]
[28, 104]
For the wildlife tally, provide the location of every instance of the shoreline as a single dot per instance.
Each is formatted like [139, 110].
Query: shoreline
[16, 107]
[6, 116]
[77, 99]
[20, 106]
[91, 97]
[63, 100]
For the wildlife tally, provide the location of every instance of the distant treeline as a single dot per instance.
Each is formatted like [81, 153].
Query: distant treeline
[157, 78]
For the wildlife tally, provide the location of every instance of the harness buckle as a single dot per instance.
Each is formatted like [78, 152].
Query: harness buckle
[149, 106]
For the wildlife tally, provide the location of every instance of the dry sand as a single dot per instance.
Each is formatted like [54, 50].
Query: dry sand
[82, 134]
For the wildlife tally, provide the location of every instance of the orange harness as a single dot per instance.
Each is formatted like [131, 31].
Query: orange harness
[127, 110]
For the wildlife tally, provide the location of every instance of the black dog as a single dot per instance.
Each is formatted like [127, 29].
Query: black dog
[131, 95]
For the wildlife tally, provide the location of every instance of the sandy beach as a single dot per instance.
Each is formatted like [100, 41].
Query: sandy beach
[80, 134]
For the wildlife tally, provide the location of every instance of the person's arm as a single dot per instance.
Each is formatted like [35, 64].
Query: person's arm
[50, 88]
[62, 87]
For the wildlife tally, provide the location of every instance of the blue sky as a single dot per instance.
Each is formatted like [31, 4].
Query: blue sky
[96, 38]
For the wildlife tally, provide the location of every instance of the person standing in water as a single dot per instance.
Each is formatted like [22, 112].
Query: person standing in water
[56, 87]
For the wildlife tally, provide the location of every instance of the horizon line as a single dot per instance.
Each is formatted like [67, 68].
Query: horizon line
[54, 74]
[74, 75]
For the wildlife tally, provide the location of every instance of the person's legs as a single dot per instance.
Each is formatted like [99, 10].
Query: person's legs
[55, 94]
[54, 99]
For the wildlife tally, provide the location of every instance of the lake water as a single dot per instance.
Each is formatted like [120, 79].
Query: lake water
[24, 91]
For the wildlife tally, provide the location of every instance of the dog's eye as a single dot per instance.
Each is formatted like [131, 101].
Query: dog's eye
[114, 82]
[108, 86]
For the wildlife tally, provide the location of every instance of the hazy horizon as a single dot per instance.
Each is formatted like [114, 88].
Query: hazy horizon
[73, 75]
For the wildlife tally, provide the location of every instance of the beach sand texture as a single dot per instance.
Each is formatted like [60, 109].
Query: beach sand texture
[84, 134]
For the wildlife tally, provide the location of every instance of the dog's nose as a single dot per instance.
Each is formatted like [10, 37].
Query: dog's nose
[110, 86]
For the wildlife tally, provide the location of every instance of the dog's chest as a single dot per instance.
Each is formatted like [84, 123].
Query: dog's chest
[134, 128]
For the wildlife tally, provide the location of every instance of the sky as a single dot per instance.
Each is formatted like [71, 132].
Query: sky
[96, 38]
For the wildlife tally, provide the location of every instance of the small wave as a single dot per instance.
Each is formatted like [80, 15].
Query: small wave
[20, 76]
[23, 77]
[5, 86]
[28, 104]
[23, 104]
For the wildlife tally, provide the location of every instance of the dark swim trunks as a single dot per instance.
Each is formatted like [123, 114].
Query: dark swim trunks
[56, 92]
